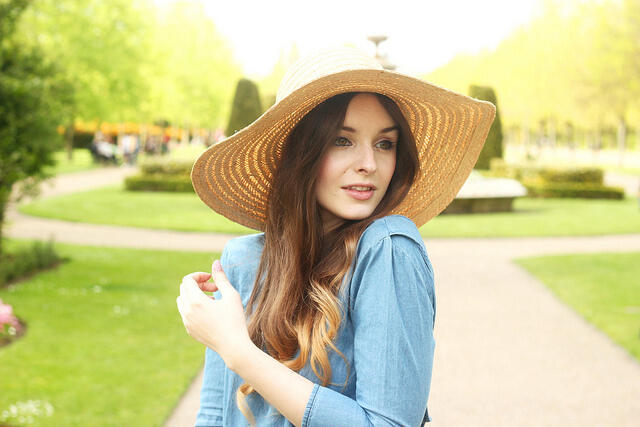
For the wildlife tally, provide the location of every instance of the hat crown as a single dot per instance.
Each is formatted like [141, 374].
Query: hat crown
[323, 63]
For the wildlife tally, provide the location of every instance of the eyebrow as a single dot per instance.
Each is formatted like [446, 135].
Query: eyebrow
[385, 130]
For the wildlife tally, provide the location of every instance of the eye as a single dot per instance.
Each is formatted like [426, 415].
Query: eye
[341, 141]
[386, 144]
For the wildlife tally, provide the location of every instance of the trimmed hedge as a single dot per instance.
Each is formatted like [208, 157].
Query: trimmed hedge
[25, 261]
[159, 182]
[520, 172]
[170, 167]
[573, 190]
[555, 182]
[492, 148]
[591, 176]
[246, 106]
[162, 175]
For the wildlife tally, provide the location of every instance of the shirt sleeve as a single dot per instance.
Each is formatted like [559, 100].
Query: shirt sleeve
[212, 391]
[211, 394]
[392, 304]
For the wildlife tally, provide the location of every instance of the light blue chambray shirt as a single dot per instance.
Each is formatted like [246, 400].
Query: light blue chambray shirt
[386, 336]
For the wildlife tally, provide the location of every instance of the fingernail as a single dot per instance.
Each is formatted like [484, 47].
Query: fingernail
[217, 266]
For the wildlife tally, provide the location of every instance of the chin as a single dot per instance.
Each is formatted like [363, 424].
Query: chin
[357, 215]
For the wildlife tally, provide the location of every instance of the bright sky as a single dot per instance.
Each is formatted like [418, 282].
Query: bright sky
[422, 35]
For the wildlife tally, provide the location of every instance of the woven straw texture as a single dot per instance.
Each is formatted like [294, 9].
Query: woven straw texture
[233, 177]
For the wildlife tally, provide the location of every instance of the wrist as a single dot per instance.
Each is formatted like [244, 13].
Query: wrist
[242, 356]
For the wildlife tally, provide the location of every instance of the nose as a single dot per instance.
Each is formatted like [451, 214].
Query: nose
[366, 161]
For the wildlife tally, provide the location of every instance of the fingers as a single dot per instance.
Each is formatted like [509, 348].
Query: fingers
[190, 290]
[201, 279]
[180, 306]
[200, 276]
[220, 279]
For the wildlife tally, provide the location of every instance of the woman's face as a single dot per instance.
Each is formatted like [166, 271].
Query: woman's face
[357, 167]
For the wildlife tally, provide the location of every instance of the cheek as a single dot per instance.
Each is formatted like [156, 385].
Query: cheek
[329, 171]
[324, 175]
[389, 168]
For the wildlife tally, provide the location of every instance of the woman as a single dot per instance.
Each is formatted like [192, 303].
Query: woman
[327, 317]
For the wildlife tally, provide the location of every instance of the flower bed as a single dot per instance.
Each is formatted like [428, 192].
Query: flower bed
[10, 326]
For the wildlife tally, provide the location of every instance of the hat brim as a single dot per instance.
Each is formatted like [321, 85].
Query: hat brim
[234, 176]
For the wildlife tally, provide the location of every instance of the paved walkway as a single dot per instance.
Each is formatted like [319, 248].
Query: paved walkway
[507, 351]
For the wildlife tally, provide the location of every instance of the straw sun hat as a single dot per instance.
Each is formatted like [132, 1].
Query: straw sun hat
[234, 176]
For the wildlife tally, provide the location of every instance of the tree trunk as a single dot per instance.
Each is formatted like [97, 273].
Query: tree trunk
[622, 138]
[4, 204]
[570, 136]
[525, 142]
[552, 134]
[68, 134]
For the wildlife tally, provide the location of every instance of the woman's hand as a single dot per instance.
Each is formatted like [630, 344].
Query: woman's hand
[217, 323]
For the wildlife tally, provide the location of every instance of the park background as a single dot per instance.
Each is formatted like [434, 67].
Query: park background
[104, 105]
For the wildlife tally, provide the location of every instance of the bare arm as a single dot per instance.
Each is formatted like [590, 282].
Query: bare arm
[283, 388]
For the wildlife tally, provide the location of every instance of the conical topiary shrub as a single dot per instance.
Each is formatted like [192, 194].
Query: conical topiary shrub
[246, 106]
[493, 146]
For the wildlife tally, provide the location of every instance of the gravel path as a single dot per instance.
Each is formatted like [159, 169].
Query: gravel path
[508, 353]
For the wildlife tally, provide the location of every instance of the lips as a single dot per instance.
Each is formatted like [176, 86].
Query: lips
[360, 191]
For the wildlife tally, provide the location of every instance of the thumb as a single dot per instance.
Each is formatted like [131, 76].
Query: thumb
[220, 279]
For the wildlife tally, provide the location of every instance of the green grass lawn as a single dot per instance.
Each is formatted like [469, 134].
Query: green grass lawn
[185, 212]
[626, 170]
[114, 205]
[105, 344]
[81, 161]
[603, 288]
[543, 217]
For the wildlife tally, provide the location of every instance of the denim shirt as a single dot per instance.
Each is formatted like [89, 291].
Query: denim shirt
[386, 336]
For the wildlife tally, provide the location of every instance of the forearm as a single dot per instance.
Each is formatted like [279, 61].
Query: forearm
[283, 388]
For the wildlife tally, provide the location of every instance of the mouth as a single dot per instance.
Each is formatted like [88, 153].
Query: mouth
[360, 192]
[360, 187]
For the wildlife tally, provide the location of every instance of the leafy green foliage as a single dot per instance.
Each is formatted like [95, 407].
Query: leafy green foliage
[159, 182]
[246, 106]
[100, 46]
[191, 67]
[581, 182]
[584, 175]
[30, 90]
[27, 260]
[171, 166]
[575, 62]
[136, 60]
[162, 174]
[493, 145]
[572, 190]
[573, 175]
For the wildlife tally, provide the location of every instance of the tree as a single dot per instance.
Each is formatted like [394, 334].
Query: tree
[29, 112]
[575, 61]
[246, 106]
[493, 145]
[100, 47]
[192, 67]
[136, 60]
[270, 84]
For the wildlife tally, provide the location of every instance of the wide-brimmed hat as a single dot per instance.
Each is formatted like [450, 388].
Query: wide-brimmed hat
[233, 177]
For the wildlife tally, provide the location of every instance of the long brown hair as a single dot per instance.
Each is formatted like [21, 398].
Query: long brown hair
[294, 303]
